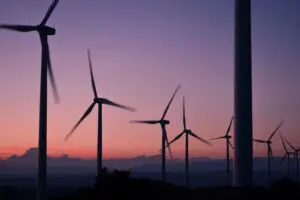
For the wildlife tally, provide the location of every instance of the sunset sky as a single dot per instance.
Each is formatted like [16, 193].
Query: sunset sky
[141, 50]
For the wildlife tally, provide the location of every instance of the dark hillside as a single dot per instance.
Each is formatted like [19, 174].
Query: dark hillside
[119, 185]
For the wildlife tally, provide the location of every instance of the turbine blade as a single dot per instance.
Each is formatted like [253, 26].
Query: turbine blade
[259, 141]
[19, 28]
[168, 146]
[230, 144]
[218, 138]
[167, 141]
[183, 119]
[276, 129]
[229, 127]
[49, 12]
[176, 138]
[92, 74]
[168, 106]
[108, 102]
[290, 145]
[144, 121]
[199, 138]
[282, 141]
[50, 71]
[87, 112]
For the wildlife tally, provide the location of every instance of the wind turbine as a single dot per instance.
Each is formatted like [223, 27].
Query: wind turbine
[227, 137]
[269, 149]
[163, 122]
[100, 102]
[44, 31]
[286, 155]
[296, 153]
[187, 132]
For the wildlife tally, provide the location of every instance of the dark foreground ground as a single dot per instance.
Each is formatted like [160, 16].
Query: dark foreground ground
[119, 185]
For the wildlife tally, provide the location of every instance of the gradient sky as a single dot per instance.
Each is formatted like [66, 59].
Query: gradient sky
[140, 51]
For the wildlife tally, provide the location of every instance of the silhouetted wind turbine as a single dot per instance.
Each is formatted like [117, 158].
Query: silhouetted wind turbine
[187, 132]
[227, 137]
[286, 155]
[100, 102]
[269, 149]
[43, 31]
[163, 122]
[296, 153]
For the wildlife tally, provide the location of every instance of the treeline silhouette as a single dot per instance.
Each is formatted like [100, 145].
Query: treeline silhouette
[119, 185]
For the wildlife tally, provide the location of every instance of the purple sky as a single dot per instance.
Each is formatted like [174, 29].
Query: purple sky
[141, 50]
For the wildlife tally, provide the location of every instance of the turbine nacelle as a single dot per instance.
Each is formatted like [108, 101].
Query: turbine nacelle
[47, 30]
[164, 122]
[188, 131]
[228, 136]
[99, 100]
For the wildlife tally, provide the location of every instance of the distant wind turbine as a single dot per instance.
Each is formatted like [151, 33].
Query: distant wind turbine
[296, 153]
[163, 122]
[43, 31]
[100, 102]
[286, 155]
[187, 132]
[269, 153]
[227, 137]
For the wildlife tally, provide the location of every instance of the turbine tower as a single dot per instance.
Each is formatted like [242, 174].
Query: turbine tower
[243, 154]
[227, 137]
[100, 102]
[269, 149]
[163, 122]
[296, 154]
[187, 132]
[44, 31]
